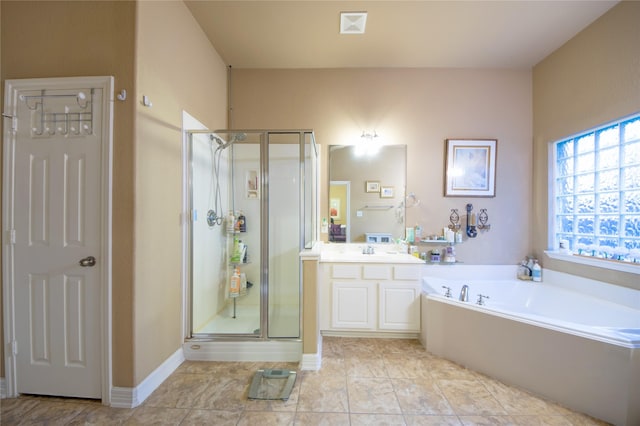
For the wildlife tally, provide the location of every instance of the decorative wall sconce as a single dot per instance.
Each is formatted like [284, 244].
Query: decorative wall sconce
[483, 218]
[454, 218]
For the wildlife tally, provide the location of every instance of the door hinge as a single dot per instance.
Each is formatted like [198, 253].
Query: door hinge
[11, 236]
[14, 347]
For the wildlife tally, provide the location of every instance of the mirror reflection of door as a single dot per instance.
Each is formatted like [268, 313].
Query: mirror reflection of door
[339, 211]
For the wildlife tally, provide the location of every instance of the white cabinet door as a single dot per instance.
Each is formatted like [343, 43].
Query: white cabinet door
[399, 306]
[353, 305]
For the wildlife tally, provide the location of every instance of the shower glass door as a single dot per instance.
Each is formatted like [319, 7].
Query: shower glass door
[224, 182]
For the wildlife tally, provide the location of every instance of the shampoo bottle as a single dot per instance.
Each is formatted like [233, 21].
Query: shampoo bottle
[234, 285]
[236, 251]
[231, 222]
[242, 222]
[536, 271]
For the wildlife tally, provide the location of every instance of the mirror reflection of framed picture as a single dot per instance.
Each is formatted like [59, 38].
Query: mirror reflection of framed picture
[373, 186]
[334, 208]
[470, 168]
[386, 192]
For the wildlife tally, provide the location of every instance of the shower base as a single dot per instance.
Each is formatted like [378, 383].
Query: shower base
[279, 350]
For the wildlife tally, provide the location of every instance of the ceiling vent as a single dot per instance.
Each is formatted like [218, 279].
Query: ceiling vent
[352, 22]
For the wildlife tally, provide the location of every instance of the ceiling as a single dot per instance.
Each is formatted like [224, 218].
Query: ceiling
[399, 34]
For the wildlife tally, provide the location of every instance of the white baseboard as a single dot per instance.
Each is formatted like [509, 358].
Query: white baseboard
[311, 362]
[132, 397]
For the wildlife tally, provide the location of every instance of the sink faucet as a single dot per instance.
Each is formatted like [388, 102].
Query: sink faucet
[464, 293]
[368, 249]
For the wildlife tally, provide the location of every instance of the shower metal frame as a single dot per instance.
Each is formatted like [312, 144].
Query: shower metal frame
[264, 232]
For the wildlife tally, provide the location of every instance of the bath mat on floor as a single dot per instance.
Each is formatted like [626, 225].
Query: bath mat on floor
[272, 384]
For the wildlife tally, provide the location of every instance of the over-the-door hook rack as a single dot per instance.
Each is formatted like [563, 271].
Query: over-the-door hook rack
[81, 99]
[61, 123]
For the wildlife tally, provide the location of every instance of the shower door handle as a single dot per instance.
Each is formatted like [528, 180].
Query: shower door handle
[87, 261]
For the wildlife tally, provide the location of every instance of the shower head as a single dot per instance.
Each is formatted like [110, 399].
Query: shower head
[238, 137]
[222, 144]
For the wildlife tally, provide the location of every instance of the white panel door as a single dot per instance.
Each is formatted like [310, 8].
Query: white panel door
[58, 259]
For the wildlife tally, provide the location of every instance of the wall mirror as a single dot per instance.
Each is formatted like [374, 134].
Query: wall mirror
[366, 194]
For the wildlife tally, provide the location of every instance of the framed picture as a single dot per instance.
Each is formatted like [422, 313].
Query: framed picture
[334, 208]
[373, 186]
[470, 168]
[386, 192]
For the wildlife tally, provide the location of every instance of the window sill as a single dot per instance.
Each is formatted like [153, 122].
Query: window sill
[616, 265]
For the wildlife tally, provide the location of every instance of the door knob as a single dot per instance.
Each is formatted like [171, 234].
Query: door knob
[88, 261]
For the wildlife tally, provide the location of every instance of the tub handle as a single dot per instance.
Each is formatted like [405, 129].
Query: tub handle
[448, 292]
[481, 298]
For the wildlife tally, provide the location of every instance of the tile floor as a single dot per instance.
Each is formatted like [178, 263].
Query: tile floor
[362, 382]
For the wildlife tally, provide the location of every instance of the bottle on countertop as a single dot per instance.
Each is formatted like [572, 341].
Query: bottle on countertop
[418, 232]
[524, 273]
[530, 264]
[450, 254]
[410, 235]
[536, 271]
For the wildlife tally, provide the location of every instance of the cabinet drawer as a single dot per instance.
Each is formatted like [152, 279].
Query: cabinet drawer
[376, 272]
[345, 271]
[406, 272]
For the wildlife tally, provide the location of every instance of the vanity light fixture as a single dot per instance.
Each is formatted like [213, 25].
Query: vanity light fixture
[369, 144]
[352, 22]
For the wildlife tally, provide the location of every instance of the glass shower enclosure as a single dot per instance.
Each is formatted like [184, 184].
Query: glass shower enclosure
[253, 207]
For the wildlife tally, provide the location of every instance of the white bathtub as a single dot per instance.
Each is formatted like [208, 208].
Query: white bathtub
[575, 348]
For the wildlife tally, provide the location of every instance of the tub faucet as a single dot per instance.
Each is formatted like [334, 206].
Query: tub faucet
[368, 250]
[464, 293]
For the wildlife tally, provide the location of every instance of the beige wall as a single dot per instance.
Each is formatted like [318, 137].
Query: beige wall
[594, 78]
[61, 39]
[178, 70]
[420, 108]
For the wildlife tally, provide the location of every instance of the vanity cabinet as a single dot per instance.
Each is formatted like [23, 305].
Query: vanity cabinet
[371, 297]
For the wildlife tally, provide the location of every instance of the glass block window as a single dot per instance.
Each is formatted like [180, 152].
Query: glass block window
[596, 192]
